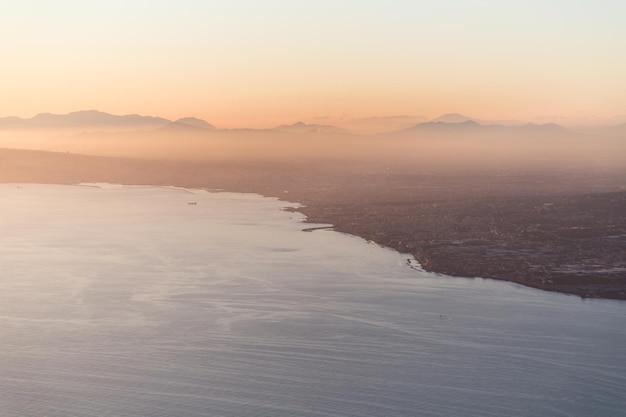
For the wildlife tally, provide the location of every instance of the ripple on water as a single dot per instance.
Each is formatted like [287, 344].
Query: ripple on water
[130, 301]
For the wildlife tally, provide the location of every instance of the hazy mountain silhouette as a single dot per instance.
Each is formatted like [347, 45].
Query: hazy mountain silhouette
[187, 125]
[452, 118]
[472, 126]
[84, 119]
[194, 121]
[580, 122]
[374, 124]
[301, 127]
[444, 145]
[446, 126]
[459, 118]
[97, 120]
[10, 121]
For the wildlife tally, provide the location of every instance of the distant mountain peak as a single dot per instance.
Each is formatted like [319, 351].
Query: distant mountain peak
[195, 122]
[301, 127]
[89, 112]
[467, 124]
[91, 118]
[453, 118]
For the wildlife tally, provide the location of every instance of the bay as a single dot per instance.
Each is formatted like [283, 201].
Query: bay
[147, 301]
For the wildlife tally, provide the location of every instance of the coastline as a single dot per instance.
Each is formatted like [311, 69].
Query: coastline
[556, 231]
[514, 257]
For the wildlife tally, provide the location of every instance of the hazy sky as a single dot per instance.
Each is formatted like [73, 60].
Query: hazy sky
[263, 62]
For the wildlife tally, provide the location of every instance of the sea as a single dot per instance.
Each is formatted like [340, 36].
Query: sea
[159, 301]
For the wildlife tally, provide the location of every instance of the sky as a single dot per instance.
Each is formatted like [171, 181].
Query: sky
[258, 63]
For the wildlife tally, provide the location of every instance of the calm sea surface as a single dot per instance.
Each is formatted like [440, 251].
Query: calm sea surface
[129, 301]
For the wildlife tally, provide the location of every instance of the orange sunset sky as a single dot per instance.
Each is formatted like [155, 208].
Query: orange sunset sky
[253, 63]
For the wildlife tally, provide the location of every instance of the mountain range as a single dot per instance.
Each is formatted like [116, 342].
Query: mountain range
[470, 125]
[87, 118]
[459, 118]
[301, 127]
[93, 120]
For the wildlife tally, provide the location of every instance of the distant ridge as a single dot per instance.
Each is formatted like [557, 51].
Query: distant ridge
[474, 126]
[301, 127]
[372, 124]
[453, 118]
[195, 122]
[187, 125]
[459, 118]
[84, 118]
[91, 120]
[446, 126]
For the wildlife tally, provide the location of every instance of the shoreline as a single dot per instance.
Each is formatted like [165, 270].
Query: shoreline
[475, 260]
[568, 284]
[562, 231]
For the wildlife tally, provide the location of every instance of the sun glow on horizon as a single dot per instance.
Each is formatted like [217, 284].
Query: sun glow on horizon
[253, 64]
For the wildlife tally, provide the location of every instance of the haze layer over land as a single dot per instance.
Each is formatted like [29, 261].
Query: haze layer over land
[452, 141]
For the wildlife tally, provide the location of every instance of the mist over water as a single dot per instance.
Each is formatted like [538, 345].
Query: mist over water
[138, 301]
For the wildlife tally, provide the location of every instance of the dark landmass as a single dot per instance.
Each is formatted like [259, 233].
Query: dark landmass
[555, 229]
[568, 243]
